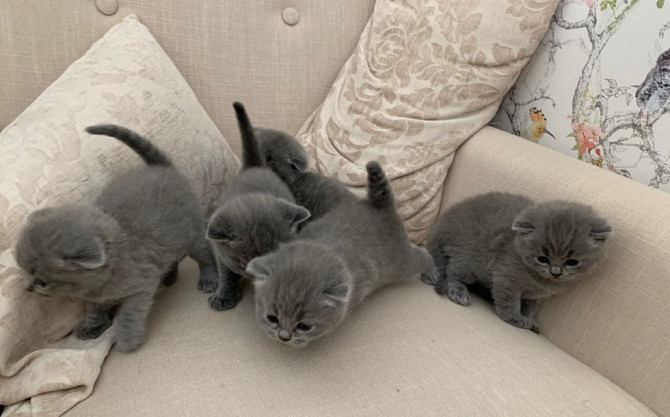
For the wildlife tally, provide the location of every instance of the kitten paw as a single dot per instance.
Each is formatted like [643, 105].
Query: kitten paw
[430, 277]
[459, 295]
[535, 328]
[86, 331]
[520, 322]
[224, 302]
[441, 286]
[206, 284]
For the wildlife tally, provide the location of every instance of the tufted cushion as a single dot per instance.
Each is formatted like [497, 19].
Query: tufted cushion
[47, 159]
[425, 76]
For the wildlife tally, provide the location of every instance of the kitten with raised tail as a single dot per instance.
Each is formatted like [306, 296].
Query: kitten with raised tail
[282, 153]
[306, 288]
[114, 254]
[257, 213]
[521, 252]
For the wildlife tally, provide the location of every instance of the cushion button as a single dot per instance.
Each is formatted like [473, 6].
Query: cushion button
[290, 16]
[107, 7]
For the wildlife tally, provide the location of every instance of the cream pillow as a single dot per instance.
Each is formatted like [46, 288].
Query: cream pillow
[424, 77]
[46, 159]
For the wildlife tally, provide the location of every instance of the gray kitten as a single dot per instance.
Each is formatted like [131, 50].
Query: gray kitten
[306, 288]
[518, 250]
[258, 212]
[282, 153]
[114, 254]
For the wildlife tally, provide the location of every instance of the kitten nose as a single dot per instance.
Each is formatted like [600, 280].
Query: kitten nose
[284, 336]
[556, 271]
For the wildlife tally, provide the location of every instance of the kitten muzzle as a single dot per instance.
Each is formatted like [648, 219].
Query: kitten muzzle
[556, 271]
[284, 336]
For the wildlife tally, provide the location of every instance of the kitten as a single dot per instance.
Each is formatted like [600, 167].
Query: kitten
[518, 250]
[282, 153]
[114, 254]
[258, 212]
[288, 159]
[307, 287]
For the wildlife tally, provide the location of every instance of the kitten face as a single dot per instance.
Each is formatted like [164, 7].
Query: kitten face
[252, 225]
[560, 240]
[302, 292]
[63, 251]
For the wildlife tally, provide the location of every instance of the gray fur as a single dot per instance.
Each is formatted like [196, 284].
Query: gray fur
[497, 240]
[257, 213]
[282, 153]
[114, 254]
[355, 248]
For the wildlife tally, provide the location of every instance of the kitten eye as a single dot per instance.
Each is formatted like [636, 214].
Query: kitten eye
[542, 260]
[272, 319]
[571, 262]
[303, 327]
[40, 283]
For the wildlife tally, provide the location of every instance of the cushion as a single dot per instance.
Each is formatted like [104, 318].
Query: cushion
[405, 352]
[46, 158]
[578, 94]
[425, 76]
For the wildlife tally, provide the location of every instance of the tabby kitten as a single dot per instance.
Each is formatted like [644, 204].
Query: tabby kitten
[307, 287]
[258, 212]
[520, 251]
[114, 254]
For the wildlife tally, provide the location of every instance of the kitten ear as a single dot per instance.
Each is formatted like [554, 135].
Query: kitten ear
[298, 165]
[219, 229]
[91, 256]
[523, 227]
[335, 294]
[259, 268]
[600, 230]
[295, 214]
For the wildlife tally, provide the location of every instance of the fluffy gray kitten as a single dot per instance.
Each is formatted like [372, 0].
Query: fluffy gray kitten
[112, 255]
[306, 288]
[258, 212]
[518, 250]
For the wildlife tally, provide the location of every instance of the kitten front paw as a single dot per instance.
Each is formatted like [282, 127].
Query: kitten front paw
[128, 344]
[441, 286]
[459, 295]
[535, 328]
[519, 321]
[224, 302]
[207, 284]
[430, 277]
[86, 331]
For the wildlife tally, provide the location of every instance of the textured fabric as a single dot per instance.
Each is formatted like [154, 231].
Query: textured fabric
[404, 352]
[616, 320]
[577, 95]
[227, 50]
[425, 76]
[47, 159]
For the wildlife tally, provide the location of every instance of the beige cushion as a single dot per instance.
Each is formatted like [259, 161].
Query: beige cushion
[227, 50]
[425, 76]
[406, 351]
[617, 320]
[46, 158]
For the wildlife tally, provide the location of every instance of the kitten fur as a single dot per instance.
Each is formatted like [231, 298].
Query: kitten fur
[282, 153]
[114, 254]
[307, 287]
[520, 251]
[317, 193]
[258, 212]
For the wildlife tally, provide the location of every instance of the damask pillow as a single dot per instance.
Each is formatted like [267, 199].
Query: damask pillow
[424, 77]
[46, 158]
[578, 94]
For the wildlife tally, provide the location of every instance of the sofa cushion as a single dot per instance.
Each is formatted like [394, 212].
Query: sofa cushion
[425, 76]
[405, 351]
[577, 95]
[46, 158]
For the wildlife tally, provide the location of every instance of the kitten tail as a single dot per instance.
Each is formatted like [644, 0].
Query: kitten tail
[380, 193]
[145, 149]
[251, 154]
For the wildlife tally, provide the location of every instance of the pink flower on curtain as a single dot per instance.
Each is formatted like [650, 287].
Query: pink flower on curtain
[587, 135]
[590, 3]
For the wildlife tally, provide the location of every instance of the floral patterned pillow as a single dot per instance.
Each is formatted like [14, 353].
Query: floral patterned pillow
[597, 88]
[424, 77]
